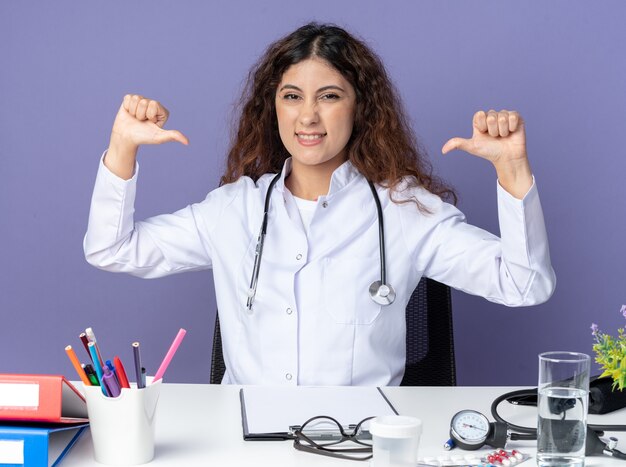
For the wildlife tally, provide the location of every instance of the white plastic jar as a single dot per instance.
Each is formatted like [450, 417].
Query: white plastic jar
[395, 440]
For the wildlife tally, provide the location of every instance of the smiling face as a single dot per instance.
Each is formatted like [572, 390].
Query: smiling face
[315, 109]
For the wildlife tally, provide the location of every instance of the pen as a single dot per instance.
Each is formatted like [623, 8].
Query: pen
[110, 382]
[112, 368]
[83, 338]
[450, 444]
[170, 354]
[72, 355]
[91, 374]
[96, 364]
[121, 372]
[143, 377]
[135, 346]
[92, 338]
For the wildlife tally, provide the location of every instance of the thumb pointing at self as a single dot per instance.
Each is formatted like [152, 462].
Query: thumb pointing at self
[456, 143]
[166, 136]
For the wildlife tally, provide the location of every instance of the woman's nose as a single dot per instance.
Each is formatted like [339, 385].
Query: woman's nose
[309, 114]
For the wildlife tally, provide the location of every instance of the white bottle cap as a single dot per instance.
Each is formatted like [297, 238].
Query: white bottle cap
[396, 426]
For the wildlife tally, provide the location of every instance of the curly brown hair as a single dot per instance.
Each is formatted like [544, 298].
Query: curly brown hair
[382, 146]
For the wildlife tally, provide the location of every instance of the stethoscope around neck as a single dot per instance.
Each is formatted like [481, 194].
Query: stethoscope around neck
[381, 292]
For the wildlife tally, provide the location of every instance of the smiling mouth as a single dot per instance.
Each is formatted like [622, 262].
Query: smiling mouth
[310, 137]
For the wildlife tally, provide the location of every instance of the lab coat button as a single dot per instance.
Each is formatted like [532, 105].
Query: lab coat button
[289, 311]
[288, 376]
[298, 256]
[324, 204]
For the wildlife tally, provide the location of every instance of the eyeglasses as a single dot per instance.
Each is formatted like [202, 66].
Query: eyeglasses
[321, 435]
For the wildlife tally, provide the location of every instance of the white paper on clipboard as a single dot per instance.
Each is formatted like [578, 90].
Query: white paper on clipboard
[271, 410]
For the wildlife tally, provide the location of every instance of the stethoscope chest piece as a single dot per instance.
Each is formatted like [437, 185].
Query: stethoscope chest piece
[383, 294]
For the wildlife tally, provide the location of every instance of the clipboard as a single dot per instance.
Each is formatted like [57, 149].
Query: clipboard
[269, 413]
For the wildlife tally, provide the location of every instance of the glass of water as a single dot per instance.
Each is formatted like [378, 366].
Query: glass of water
[563, 401]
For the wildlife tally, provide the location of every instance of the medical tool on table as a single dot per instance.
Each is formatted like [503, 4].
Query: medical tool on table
[471, 430]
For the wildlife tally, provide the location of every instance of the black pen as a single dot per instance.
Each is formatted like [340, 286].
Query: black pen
[140, 380]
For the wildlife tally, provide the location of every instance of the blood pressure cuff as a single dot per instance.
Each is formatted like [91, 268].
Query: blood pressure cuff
[602, 399]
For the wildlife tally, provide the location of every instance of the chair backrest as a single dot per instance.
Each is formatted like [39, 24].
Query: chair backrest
[429, 339]
[429, 336]
[218, 367]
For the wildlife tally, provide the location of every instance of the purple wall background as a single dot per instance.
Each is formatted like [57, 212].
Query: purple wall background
[64, 67]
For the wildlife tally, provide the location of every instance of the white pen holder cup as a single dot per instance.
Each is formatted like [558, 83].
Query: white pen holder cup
[122, 428]
[395, 441]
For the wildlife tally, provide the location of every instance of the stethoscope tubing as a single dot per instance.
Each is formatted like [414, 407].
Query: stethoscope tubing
[381, 234]
[258, 253]
[389, 295]
[530, 432]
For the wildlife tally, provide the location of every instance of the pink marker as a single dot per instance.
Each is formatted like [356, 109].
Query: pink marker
[170, 354]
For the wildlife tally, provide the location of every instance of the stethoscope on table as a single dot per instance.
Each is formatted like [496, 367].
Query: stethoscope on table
[380, 291]
[471, 430]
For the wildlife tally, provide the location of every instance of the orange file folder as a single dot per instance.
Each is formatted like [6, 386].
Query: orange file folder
[40, 398]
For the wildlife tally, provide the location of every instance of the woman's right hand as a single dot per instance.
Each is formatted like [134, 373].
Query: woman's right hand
[139, 121]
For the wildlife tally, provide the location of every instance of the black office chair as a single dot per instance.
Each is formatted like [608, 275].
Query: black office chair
[218, 367]
[429, 339]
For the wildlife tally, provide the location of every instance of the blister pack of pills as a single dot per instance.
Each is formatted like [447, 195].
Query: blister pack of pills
[498, 458]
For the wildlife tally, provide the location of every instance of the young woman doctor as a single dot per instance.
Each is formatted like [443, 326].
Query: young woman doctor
[304, 301]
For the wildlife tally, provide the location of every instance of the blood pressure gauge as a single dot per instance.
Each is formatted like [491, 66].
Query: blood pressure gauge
[469, 429]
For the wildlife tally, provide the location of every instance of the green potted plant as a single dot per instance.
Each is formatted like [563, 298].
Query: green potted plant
[611, 354]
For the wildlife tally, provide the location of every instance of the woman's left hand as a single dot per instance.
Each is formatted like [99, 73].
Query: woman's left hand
[499, 137]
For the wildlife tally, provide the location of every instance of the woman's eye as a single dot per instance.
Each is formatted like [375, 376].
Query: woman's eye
[290, 97]
[330, 96]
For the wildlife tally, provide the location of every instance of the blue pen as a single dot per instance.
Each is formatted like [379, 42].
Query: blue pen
[91, 337]
[112, 368]
[96, 364]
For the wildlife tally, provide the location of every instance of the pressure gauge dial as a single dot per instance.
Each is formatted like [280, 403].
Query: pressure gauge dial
[469, 429]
